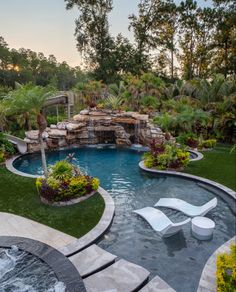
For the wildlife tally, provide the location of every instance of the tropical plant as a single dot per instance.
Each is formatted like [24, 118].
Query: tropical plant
[226, 270]
[113, 102]
[3, 115]
[165, 156]
[29, 99]
[6, 147]
[65, 182]
[62, 170]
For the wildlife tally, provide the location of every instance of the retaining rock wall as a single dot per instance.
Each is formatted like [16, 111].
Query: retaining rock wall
[93, 127]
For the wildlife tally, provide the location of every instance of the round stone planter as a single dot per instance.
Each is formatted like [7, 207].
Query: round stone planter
[69, 202]
[168, 169]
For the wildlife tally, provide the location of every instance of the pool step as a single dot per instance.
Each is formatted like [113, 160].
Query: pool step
[92, 260]
[157, 284]
[122, 276]
[101, 273]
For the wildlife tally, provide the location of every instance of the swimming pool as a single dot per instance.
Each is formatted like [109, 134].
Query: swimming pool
[179, 260]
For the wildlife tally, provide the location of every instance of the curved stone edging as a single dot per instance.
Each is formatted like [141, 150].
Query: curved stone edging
[207, 281]
[11, 168]
[199, 155]
[67, 203]
[61, 266]
[97, 231]
[212, 183]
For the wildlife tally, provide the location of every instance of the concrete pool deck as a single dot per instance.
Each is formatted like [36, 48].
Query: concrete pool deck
[14, 225]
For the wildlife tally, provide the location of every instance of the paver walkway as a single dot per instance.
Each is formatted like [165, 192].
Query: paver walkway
[13, 225]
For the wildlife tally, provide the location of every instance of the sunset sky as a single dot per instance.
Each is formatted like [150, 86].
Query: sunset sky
[46, 26]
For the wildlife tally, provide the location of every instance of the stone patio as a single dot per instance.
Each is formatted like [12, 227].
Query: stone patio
[13, 225]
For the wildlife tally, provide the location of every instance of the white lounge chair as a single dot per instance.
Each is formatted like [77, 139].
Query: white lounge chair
[186, 208]
[160, 222]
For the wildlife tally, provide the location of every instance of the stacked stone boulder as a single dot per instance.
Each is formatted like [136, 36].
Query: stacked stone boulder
[124, 128]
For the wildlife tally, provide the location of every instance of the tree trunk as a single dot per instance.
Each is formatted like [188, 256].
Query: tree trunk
[226, 60]
[43, 156]
[42, 125]
[172, 58]
[27, 121]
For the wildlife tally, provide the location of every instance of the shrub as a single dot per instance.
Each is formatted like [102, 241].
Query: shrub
[226, 271]
[6, 146]
[211, 143]
[192, 142]
[188, 139]
[164, 156]
[65, 182]
[95, 183]
[54, 119]
[62, 170]
[2, 156]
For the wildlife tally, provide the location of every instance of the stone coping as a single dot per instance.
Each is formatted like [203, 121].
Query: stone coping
[199, 155]
[62, 267]
[9, 162]
[10, 167]
[212, 183]
[69, 202]
[207, 281]
[97, 231]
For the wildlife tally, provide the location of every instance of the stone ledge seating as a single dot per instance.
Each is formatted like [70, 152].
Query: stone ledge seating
[100, 273]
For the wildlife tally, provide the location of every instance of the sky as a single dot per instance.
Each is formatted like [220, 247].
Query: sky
[46, 26]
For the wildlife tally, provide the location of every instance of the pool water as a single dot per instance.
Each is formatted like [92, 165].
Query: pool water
[21, 271]
[179, 259]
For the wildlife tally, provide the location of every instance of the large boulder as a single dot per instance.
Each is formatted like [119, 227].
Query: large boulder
[55, 133]
[34, 135]
[61, 125]
[84, 112]
[81, 118]
[74, 126]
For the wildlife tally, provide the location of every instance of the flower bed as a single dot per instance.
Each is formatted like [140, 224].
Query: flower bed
[165, 156]
[64, 183]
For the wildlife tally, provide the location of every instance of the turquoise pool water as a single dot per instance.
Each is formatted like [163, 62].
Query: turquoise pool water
[179, 260]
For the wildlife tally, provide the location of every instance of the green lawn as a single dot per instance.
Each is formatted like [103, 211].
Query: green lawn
[218, 165]
[18, 195]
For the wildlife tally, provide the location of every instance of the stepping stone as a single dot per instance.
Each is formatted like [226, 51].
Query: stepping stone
[92, 260]
[122, 276]
[157, 284]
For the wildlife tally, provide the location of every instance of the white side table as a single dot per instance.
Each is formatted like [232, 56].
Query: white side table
[202, 227]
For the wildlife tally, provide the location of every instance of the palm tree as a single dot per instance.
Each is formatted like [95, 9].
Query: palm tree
[30, 98]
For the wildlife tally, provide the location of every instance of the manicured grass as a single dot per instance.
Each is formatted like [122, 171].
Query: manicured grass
[218, 165]
[18, 195]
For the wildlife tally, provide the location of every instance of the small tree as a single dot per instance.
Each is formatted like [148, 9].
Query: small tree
[30, 98]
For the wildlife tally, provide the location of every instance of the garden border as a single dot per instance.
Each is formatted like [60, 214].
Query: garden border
[212, 183]
[69, 202]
